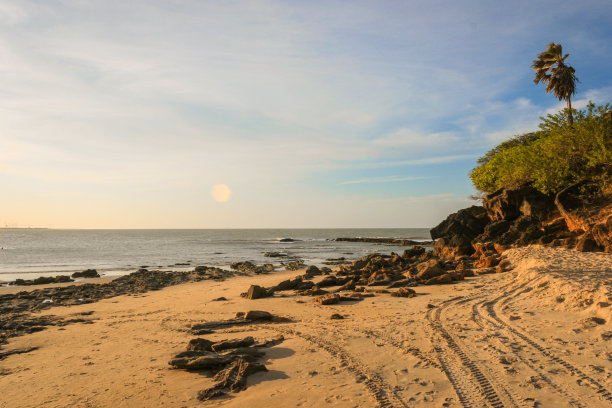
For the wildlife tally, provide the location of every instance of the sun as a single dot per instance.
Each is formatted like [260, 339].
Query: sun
[221, 193]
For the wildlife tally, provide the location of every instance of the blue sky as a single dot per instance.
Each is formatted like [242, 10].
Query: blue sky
[121, 114]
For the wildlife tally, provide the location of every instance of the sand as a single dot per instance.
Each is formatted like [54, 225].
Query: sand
[525, 338]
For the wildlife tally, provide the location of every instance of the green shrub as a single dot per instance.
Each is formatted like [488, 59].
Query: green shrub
[554, 157]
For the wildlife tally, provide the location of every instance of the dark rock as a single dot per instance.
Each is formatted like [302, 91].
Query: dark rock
[509, 204]
[305, 285]
[275, 255]
[233, 378]
[199, 344]
[487, 261]
[258, 315]
[330, 299]
[330, 280]
[439, 280]
[429, 269]
[88, 273]
[336, 316]
[256, 292]
[312, 271]
[450, 248]
[209, 361]
[586, 243]
[286, 240]
[403, 283]
[232, 344]
[413, 252]
[404, 292]
[468, 222]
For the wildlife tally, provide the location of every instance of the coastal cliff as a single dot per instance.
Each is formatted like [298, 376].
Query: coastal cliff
[578, 217]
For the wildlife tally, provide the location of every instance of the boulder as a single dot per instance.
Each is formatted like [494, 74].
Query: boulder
[429, 269]
[439, 280]
[258, 315]
[450, 248]
[87, 273]
[312, 271]
[468, 222]
[199, 344]
[413, 252]
[331, 299]
[404, 292]
[256, 292]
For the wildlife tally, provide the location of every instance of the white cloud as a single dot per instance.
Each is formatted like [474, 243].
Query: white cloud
[386, 179]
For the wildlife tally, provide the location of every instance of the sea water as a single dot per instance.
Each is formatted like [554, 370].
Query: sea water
[30, 253]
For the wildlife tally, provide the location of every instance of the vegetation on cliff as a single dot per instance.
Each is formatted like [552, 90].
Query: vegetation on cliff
[556, 156]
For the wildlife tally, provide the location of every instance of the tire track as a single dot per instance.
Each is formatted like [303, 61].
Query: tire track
[480, 320]
[383, 393]
[527, 339]
[455, 368]
[414, 351]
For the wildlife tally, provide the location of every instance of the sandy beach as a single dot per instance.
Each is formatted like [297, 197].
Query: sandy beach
[537, 336]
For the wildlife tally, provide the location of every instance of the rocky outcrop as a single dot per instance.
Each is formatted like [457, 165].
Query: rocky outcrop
[579, 217]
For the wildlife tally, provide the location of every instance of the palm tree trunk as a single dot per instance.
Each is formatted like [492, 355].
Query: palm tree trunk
[570, 119]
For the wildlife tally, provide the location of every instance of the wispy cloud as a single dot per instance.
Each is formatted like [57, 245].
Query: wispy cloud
[386, 179]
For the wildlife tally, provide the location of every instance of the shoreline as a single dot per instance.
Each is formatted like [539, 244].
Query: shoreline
[116, 352]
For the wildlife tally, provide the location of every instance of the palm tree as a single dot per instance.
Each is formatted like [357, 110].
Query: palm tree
[550, 69]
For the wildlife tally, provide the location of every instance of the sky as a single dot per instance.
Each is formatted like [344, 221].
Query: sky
[272, 114]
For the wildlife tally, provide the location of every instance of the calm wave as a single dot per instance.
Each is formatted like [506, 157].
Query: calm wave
[29, 253]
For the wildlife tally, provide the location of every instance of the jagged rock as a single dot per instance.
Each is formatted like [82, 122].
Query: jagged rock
[453, 247]
[468, 222]
[208, 361]
[438, 280]
[379, 278]
[429, 269]
[413, 252]
[487, 261]
[256, 292]
[602, 234]
[233, 378]
[312, 271]
[330, 299]
[353, 296]
[571, 199]
[232, 344]
[509, 204]
[329, 280]
[586, 243]
[403, 283]
[199, 344]
[350, 285]
[404, 292]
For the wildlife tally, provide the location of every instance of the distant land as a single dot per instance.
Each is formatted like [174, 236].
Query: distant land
[14, 228]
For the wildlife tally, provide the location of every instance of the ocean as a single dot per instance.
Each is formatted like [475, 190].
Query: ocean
[30, 253]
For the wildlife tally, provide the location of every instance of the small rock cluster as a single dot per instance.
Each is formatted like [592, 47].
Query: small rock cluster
[378, 273]
[231, 361]
[250, 267]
